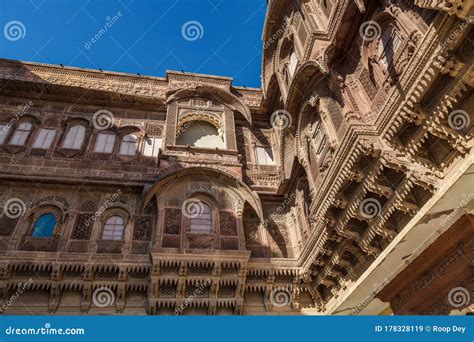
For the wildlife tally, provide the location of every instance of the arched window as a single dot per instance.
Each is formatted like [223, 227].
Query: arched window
[105, 143]
[200, 134]
[75, 137]
[21, 134]
[113, 228]
[293, 63]
[44, 226]
[201, 221]
[129, 145]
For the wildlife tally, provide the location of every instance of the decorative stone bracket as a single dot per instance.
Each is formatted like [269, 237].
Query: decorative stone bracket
[462, 8]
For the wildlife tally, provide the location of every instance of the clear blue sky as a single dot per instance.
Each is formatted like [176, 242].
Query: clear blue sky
[146, 37]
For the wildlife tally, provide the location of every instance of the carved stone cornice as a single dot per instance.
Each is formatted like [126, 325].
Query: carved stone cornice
[460, 8]
[157, 88]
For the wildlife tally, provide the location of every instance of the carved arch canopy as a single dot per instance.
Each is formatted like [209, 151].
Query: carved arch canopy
[57, 203]
[280, 16]
[201, 209]
[316, 138]
[308, 81]
[309, 97]
[213, 177]
[214, 94]
[205, 103]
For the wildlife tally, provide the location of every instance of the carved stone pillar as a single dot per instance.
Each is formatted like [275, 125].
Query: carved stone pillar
[55, 297]
[86, 297]
[120, 297]
[239, 217]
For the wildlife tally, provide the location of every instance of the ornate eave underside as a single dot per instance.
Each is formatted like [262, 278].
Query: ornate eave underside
[433, 252]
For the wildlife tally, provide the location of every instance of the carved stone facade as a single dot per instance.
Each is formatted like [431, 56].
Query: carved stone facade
[365, 112]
